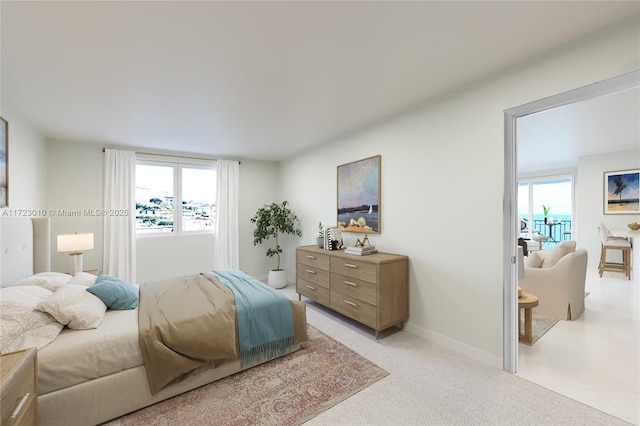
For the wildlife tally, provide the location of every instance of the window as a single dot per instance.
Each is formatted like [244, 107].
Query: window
[555, 193]
[174, 198]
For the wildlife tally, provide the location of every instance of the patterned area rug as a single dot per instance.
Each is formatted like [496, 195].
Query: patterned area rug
[540, 324]
[286, 391]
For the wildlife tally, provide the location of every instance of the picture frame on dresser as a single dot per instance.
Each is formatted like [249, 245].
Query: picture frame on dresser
[358, 195]
[4, 162]
[622, 192]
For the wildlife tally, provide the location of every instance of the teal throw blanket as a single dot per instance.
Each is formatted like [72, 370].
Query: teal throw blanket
[265, 321]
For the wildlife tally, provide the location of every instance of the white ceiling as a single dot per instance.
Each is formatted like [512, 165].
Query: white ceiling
[554, 139]
[262, 80]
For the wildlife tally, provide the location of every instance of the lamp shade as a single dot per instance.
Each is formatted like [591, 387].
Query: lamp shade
[75, 242]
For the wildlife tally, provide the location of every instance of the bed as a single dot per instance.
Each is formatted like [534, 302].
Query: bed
[93, 375]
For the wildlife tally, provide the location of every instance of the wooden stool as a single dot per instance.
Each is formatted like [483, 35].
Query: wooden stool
[625, 266]
[526, 302]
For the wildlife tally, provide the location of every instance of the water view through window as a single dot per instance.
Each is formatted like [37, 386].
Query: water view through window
[554, 194]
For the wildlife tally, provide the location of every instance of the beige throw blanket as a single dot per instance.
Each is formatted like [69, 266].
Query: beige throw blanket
[184, 323]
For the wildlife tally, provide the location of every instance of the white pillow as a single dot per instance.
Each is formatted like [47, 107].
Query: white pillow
[556, 253]
[47, 282]
[72, 305]
[533, 260]
[55, 276]
[21, 326]
[83, 278]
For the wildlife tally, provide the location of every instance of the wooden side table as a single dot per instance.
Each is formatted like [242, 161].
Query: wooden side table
[18, 397]
[526, 303]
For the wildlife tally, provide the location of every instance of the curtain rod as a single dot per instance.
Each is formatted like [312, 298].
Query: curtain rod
[174, 156]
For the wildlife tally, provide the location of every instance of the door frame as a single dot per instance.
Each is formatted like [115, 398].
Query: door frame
[510, 227]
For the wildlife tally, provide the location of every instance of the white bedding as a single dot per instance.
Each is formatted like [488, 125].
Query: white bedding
[80, 355]
[21, 325]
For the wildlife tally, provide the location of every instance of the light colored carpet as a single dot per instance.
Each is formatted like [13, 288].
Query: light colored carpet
[540, 324]
[285, 391]
[429, 384]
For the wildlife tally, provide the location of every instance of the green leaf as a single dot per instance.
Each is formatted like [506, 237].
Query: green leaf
[271, 221]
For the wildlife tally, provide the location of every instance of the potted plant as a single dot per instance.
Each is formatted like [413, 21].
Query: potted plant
[545, 212]
[271, 221]
[320, 237]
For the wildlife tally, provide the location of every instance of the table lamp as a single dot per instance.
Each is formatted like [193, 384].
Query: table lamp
[74, 243]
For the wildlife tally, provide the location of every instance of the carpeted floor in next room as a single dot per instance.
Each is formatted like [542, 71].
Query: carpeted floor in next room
[432, 385]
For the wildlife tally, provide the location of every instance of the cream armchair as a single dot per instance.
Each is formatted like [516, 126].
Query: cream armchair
[557, 277]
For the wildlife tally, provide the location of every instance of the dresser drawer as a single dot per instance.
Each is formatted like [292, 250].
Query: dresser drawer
[313, 291]
[354, 308]
[19, 392]
[314, 275]
[355, 287]
[355, 268]
[318, 260]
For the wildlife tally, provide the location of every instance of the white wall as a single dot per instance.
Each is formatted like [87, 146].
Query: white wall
[75, 183]
[590, 199]
[74, 186]
[442, 195]
[27, 165]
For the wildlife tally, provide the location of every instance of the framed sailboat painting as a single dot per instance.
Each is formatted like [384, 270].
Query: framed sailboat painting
[359, 196]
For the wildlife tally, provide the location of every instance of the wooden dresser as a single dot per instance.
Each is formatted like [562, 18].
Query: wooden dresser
[371, 289]
[18, 397]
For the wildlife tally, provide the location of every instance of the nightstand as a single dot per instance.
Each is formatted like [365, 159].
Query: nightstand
[18, 397]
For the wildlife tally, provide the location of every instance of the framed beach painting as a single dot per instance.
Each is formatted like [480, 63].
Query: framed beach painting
[4, 170]
[359, 196]
[622, 192]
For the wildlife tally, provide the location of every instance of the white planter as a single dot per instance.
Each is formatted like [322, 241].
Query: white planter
[277, 279]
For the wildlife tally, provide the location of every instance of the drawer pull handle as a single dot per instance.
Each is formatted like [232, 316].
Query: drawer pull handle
[310, 287]
[310, 271]
[348, 302]
[310, 257]
[351, 284]
[349, 265]
[16, 412]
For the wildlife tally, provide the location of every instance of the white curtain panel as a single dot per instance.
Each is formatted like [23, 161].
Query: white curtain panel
[227, 252]
[119, 254]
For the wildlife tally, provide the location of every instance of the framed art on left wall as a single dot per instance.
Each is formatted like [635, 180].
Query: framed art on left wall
[4, 163]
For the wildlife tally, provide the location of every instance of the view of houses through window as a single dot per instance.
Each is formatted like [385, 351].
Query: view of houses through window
[162, 186]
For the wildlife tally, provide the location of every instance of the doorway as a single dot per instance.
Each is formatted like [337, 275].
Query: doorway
[511, 225]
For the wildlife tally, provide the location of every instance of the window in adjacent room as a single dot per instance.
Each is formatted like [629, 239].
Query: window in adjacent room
[174, 198]
[556, 193]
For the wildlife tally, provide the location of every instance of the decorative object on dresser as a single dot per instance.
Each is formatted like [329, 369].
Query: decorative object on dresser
[332, 238]
[359, 195]
[361, 250]
[271, 221]
[18, 396]
[373, 290]
[74, 243]
[320, 237]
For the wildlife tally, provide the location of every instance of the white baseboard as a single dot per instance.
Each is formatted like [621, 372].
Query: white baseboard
[470, 351]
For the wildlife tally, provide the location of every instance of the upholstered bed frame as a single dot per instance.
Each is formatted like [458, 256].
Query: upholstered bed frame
[25, 245]
[25, 248]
